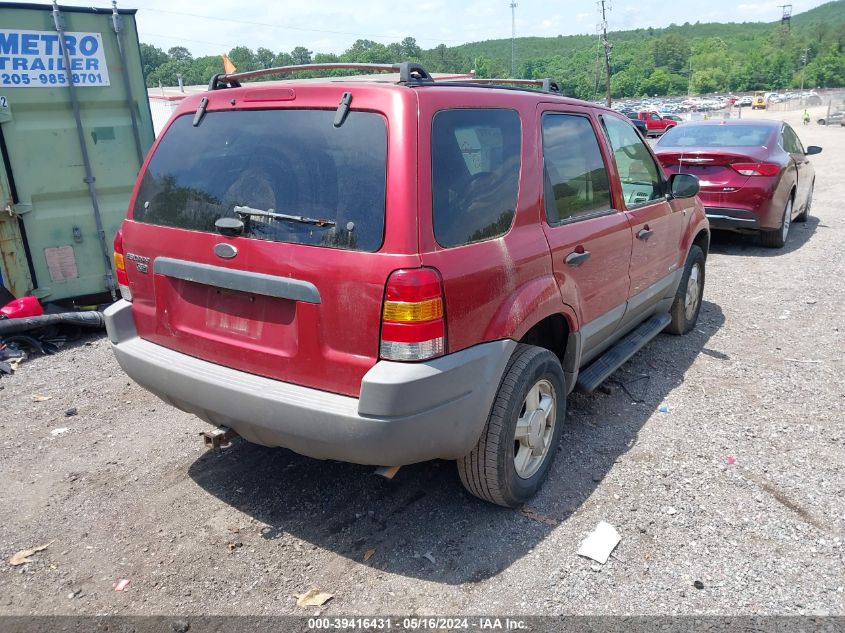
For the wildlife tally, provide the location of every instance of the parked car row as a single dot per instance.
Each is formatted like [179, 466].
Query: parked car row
[387, 273]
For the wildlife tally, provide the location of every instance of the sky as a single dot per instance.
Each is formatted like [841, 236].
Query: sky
[211, 27]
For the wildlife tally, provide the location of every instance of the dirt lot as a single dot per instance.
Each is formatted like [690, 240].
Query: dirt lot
[127, 492]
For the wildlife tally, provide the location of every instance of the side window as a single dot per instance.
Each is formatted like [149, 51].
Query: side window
[640, 176]
[791, 143]
[575, 177]
[654, 116]
[475, 163]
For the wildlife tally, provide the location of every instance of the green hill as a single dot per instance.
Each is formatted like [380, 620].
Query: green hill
[701, 58]
[706, 57]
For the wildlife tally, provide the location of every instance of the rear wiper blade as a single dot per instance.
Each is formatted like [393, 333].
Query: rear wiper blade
[260, 213]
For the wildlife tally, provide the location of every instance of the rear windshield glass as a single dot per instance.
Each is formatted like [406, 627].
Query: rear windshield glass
[690, 135]
[279, 162]
[475, 174]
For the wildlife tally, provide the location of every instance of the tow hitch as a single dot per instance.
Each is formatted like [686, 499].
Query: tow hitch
[216, 438]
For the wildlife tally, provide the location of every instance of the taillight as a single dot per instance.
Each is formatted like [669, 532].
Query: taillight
[413, 326]
[756, 169]
[120, 267]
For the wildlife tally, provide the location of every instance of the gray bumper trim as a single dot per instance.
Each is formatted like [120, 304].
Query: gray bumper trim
[407, 412]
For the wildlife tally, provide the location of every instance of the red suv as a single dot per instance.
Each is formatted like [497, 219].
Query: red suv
[391, 272]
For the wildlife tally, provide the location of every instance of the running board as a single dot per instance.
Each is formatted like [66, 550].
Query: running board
[594, 375]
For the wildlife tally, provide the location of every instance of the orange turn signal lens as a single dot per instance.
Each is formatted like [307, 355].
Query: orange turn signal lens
[403, 312]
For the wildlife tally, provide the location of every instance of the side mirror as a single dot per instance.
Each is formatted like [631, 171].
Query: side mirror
[683, 185]
[813, 149]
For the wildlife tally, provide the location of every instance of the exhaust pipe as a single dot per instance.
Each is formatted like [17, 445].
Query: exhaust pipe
[219, 437]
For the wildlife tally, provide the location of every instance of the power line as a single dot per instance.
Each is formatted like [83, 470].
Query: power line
[289, 28]
[179, 38]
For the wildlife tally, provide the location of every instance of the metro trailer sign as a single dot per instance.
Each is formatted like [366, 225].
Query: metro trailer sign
[34, 59]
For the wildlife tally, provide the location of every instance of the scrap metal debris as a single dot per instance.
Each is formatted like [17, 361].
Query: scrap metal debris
[23, 556]
[600, 543]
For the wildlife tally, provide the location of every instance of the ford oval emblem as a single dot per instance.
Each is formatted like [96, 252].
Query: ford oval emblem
[226, 251]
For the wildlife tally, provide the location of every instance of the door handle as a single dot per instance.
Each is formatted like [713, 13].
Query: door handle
[644, 234]
[576, 259]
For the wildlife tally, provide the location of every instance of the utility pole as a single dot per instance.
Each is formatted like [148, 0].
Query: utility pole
[689, 81]
[805, 56]
[513, 40]
[604, 5]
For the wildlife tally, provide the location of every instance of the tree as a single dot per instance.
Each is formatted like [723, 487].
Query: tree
[658, 83]
[489, 68]
[264, 57]
[626, 83]
[671, 51]
[326, 58]
[367, 52]
[410, 49]
[301, 55]
[243, 58]
[737, 57]
[395, 50]
[827, 69]
[151, 58]
[283, 59]
[179, 54]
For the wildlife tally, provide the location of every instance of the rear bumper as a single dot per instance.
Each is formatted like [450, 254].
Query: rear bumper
[731, 219]
[406, 413]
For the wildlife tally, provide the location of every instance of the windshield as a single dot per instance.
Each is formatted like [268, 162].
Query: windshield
[285, 162]
[690, 135]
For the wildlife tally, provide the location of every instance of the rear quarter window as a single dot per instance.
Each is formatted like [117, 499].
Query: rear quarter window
[284, 161]
[475, 156]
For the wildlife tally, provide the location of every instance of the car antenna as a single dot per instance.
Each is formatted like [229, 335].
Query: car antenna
[342, 109]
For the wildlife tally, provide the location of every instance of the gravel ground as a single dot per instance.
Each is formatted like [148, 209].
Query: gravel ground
[128, 491]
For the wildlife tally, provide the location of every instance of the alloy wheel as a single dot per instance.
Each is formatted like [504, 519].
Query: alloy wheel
[534, 429]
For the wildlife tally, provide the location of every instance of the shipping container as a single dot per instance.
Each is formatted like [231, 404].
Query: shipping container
[75, 125]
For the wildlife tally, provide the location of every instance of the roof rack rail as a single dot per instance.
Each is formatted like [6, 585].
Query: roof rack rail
[546, 85]
[409, 72]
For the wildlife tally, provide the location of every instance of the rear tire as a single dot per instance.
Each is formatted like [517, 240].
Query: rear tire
[808, 206]
[687, 303]
[519, 442]
[778, 237]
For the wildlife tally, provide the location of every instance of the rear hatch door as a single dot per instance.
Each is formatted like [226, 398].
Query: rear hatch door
[291, 286]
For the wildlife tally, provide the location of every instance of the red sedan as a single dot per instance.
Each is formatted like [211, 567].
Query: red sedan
[754, 175]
